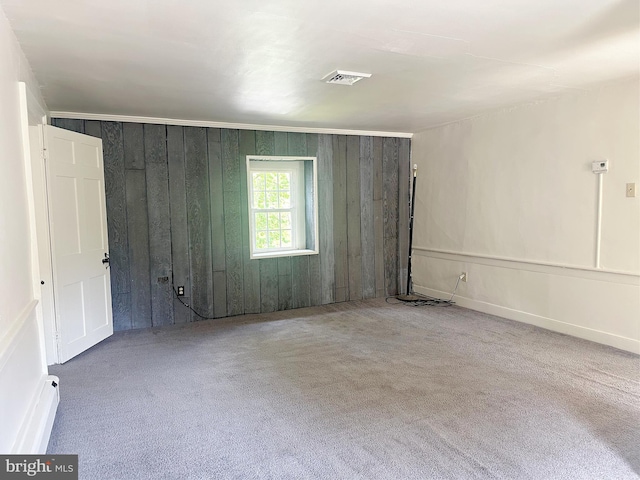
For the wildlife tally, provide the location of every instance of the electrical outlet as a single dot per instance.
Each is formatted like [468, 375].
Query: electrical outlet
[181, 291]
[631, 190]
[463, 276]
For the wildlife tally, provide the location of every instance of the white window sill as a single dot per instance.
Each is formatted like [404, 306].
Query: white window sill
[283, 253]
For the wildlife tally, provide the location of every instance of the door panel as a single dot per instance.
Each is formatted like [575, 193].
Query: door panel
[94, 234]
[78, 228]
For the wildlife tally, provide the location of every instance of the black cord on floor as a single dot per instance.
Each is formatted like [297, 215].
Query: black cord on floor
[189, 306]
[422, 302]
[426, 301]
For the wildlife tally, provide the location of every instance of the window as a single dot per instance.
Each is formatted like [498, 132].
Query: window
[283, 213]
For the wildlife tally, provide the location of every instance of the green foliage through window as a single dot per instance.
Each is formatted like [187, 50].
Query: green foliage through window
[272, 191]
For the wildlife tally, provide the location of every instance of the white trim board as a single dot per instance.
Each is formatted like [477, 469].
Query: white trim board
[626, 278]
[29, 398]
[12, 334]
[623, 343]
[33, 437]
[212, 124]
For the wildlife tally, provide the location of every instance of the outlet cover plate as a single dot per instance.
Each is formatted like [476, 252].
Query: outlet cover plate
[600, 166]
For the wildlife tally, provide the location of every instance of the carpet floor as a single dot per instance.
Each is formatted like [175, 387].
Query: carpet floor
[358, 390]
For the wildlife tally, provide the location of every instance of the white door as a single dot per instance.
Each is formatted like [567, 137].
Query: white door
[79, 244]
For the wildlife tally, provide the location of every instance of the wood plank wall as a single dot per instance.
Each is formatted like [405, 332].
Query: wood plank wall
[177, 215]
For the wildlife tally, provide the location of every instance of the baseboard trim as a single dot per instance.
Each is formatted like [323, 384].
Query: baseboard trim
[34, 436]
[598, 336]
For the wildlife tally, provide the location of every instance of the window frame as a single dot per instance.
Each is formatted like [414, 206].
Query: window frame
[300, 222]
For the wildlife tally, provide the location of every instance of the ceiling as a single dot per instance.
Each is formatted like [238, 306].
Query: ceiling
[262, 61]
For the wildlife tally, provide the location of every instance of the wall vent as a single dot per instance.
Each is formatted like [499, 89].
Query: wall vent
[342, 77]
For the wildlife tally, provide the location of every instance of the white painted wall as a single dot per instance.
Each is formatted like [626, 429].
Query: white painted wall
[510, 198]
[26, 399]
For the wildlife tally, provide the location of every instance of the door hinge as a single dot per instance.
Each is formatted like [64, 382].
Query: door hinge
[45, 155]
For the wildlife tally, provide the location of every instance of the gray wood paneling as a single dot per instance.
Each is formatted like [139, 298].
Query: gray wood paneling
[72, 124]
[269, 278]
[251, 267]
[220, 293]
[280, 143]
[198, 219]
[300, 289]
[354, 237]
[121, 311]
[218, 250]
[315, 268]
[115, 189]
[178, 221]
[177, 208]
[300, 294]
[265, 143]
[217, 199]
[378, 217]
[296, 144]
[325, 216]
[138, 227]
[133, 146]
[284, 283]
[340, 217]
[232, 221]
[367, 218]
[404, 194]
[390, 205]
[157, 175]
[93, 128]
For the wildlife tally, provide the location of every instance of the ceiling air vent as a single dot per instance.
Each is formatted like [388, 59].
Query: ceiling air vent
[342, 77]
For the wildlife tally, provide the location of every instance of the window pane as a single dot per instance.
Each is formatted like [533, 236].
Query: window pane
[274, 239]
[285, 199]
[286, 238]
[274, 221]
[261, 221]
[284, 181]
[261, 240]
[258, 181]
[285, 220]
[272, 200]
[259, 200]
[271, 181]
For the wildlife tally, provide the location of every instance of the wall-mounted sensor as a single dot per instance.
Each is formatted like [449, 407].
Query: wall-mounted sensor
[600, 166]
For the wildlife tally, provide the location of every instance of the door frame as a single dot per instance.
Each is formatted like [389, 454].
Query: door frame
[34, 117]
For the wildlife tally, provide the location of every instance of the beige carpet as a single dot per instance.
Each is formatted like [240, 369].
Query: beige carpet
[361, 390]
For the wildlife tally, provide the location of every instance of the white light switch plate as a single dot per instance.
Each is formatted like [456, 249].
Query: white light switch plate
[631, 189]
